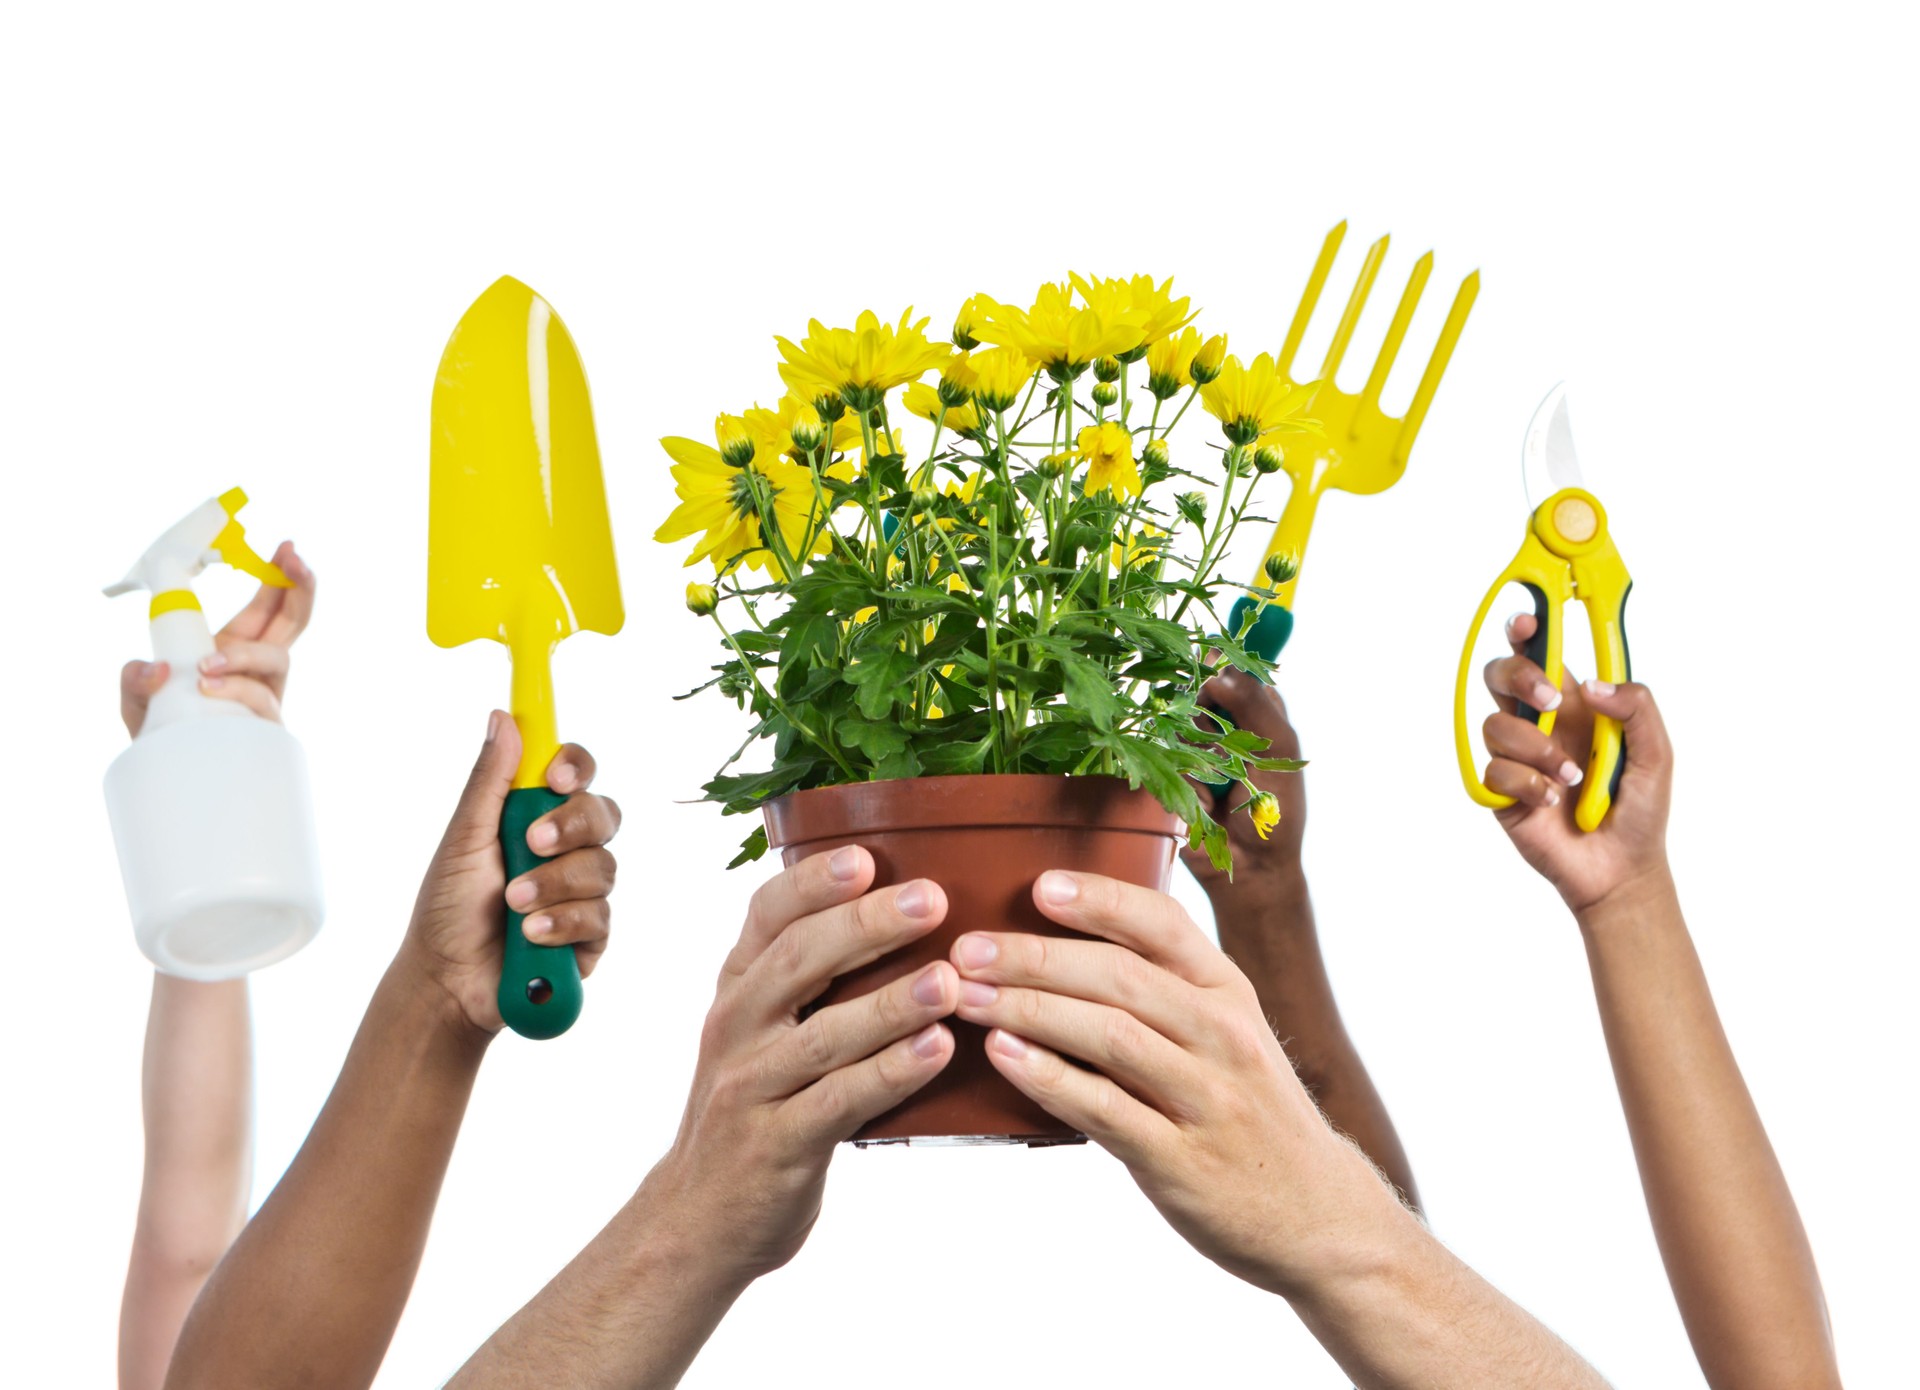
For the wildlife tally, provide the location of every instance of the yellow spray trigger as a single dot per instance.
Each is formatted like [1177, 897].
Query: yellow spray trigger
[231, 543]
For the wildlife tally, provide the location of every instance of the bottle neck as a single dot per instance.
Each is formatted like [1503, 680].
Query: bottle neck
[181, 639]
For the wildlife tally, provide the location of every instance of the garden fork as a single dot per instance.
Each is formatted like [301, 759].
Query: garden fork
[1360, 449]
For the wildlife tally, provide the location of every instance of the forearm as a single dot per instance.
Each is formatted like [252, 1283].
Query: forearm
[631, 1311]
[1271, 935]
[1396, 1309]
[1736, 1254]
[311, 1291]
[196, 1104]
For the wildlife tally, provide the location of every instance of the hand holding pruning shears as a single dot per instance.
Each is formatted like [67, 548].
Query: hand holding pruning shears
[1538, 770]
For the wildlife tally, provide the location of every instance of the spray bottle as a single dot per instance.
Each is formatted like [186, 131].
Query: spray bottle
[211, 811]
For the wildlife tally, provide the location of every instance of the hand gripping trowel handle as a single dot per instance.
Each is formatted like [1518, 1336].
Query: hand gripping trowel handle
[540, 994]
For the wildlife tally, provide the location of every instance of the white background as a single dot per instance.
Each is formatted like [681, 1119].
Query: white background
[237, 240]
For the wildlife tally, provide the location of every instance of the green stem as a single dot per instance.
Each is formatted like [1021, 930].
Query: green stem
[1178, 413]
[753, 674]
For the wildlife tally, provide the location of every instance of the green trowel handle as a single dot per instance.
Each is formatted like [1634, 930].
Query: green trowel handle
[1265, 638]
[539, 985]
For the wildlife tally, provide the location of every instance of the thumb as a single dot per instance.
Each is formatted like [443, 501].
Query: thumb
[1641, 727]
[476, 819]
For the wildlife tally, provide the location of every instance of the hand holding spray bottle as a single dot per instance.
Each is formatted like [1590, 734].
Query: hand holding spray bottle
[210, 806]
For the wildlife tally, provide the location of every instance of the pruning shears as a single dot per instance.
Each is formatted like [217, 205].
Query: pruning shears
[1566, 554]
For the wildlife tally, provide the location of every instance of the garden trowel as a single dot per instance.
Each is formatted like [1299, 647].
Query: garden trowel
[519, 550]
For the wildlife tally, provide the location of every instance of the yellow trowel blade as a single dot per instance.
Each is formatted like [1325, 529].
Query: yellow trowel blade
[519, 548]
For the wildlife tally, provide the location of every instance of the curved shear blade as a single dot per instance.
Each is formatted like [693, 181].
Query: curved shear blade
[1547, 460]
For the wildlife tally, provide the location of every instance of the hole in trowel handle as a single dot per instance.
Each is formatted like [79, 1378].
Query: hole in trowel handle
[539, 990]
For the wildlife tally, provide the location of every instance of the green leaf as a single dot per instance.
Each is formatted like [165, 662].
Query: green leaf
[951, 756]
[751, 848]
[877, 741]
[1090, 689]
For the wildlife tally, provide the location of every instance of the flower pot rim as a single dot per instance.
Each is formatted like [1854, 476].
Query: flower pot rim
[954, 800]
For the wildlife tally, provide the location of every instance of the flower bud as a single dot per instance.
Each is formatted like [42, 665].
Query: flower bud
[1105, 394]
[1280, 569]
[1265, 809]
[828, 406]
[807, 434]
[702, 599]
[1155, 454]
[736, 445]
[1209, 359]
[1238, 461]
[1267, 459]
[1055, 465]
[1193, 507]
[1106, 369]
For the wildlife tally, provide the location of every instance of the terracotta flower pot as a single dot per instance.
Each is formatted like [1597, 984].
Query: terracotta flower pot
[984, 839]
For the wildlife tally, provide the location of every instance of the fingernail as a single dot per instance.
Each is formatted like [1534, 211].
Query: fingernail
[538, 926]
[926, 989]
[1057, 888]
[544, 835]
[1570, 773]
[521, 892]
[1006, 1044]
[1552, 797]
[564, 775]
[493, 725]
[1601, 688]
[976, 951]
[927, 1041]
[914, 900]
[1545, 696]
[976, 995]
[211, 682]
[844, 863]
[216, 662]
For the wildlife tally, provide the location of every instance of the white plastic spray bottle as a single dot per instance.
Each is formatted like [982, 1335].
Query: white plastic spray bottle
[212, 815]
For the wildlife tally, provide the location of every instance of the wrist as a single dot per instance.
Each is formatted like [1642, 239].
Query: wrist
[412, 981]
[671, 1218]
[1261, 896]
[1361, 1239]
[1634, 899]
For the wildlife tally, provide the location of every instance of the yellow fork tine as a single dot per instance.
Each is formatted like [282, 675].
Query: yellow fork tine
[1310, 297]
[1396, 331]
[1436, 365]
[1356, 301]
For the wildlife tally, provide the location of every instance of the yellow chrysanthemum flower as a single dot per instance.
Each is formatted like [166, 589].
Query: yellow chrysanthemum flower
[999, 376]
[1256, 400]
[723, 502]
[971, 315]
[1107, 449]
[1060, 335]
[1140, 302]
[1170, 363]
[1265, 809]
[861, 363]
[1141, 549]
[924, 401]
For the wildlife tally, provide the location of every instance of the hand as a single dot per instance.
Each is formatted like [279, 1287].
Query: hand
[1190, 1089]
[1629, 850]
[250, 663]
[1263, 870]
[773, 1092]
[457, 935]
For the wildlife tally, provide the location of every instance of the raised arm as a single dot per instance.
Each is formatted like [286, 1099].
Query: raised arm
[1266, 924]
[196, 1098]
[1190, 1089]
[1736, 1254]
[312, 1289]
[774, 1091]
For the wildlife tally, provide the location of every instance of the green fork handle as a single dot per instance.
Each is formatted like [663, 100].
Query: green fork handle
[1265, 639]
[540, 994]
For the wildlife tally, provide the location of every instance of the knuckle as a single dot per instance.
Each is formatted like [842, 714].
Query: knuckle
[1025, 1008]
[1130, 977]
[1122, 1037]
[816, 1041]
[1036, 955]
[874, 919]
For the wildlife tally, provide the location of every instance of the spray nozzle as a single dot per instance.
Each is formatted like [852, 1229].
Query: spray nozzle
[210, 532]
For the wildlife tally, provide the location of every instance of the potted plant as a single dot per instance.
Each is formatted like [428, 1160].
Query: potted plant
[970, 599]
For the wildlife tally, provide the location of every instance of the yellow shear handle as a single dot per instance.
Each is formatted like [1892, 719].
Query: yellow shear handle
[1602, 581]
[1547, 576]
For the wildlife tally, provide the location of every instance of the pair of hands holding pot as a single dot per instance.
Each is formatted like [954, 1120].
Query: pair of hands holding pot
[1192, 1091]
